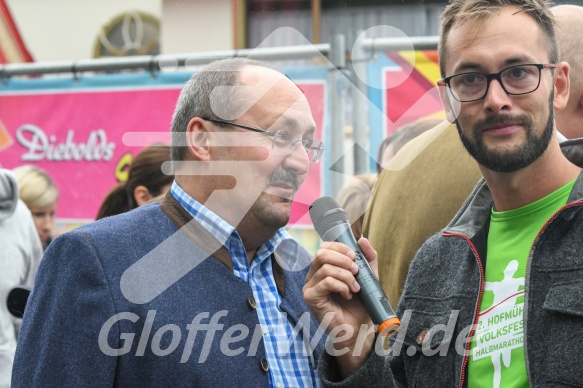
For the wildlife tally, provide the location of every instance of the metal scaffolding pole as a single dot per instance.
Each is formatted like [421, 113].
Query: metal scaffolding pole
[360, 103]
[397, 44]
[164, 62]
[160, 62]
[337, 80]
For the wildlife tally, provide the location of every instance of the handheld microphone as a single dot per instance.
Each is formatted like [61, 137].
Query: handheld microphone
[332, 224]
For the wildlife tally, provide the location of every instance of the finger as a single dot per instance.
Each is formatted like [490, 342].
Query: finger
[328, 271]
[331, 257]
[338, 247]
[367, 249]
[318, 294]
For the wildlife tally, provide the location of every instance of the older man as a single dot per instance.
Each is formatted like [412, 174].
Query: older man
[493, 300]
[203, 289]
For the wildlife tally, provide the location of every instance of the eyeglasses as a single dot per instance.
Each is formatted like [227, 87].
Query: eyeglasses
[515, 80]
[284, 142]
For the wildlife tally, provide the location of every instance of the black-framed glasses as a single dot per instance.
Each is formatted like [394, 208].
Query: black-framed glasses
[283, 141]
[515, 80]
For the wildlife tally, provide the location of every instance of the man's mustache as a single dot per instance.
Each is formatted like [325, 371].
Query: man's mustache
[505, 119]
[284, 175]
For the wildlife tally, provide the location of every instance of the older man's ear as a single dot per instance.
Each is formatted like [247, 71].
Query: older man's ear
[197, 139]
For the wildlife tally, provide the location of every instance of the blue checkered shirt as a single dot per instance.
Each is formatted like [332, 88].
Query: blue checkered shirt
[290, 363]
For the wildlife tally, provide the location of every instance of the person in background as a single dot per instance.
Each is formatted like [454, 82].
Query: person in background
[20, 254]
[393, 143]
[417, 194]
[385, 152]
[145, 182]
[38, 191]
[569, 33]
[354, 197]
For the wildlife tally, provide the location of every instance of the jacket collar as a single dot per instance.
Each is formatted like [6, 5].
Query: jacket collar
[475, 212]
[202, 238]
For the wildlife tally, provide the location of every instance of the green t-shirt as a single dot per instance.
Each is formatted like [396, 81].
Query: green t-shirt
[497, 350]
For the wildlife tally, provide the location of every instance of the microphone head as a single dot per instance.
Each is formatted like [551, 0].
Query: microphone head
[326, 213]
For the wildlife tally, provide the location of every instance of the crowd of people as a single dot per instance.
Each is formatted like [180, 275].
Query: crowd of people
[192, 278]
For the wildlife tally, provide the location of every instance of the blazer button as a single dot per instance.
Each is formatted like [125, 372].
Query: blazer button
[264, 365]
[251, 301]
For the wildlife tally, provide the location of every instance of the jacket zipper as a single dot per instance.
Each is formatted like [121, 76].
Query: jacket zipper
[473, 247]
[530, 254]
[478, 303]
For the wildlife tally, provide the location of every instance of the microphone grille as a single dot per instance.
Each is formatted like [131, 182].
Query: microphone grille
[326, 213]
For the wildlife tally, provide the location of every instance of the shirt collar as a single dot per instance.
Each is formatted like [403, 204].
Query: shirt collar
[226, 233]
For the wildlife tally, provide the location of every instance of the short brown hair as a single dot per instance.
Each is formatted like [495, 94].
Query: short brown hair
[461, 11]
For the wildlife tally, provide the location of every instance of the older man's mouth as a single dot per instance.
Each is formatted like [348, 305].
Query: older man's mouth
[281, 188]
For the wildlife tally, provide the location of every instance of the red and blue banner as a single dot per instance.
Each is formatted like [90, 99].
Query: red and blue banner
[408, 91]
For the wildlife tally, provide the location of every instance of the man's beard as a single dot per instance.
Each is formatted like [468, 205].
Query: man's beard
[512, 159]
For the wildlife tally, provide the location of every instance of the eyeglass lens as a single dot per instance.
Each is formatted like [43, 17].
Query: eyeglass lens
[515, 80]
[286, 143]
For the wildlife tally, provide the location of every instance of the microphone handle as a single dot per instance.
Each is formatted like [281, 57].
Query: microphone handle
[371, 293]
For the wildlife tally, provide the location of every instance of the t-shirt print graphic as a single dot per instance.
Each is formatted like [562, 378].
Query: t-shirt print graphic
[500, 327]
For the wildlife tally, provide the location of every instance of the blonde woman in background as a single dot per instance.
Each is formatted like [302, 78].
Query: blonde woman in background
[38, 191]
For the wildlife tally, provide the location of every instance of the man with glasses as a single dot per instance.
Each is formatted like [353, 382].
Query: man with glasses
[204, 288]
[494, 300]
[423, 187]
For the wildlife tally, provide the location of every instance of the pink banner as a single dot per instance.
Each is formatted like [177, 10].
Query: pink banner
[76, 136]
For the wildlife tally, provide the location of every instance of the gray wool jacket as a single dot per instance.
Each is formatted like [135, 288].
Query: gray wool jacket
[441, 299]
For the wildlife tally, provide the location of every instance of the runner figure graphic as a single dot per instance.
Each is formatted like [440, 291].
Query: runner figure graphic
[504, 291]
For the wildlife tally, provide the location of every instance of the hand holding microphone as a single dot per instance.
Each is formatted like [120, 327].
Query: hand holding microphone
[332, 224]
